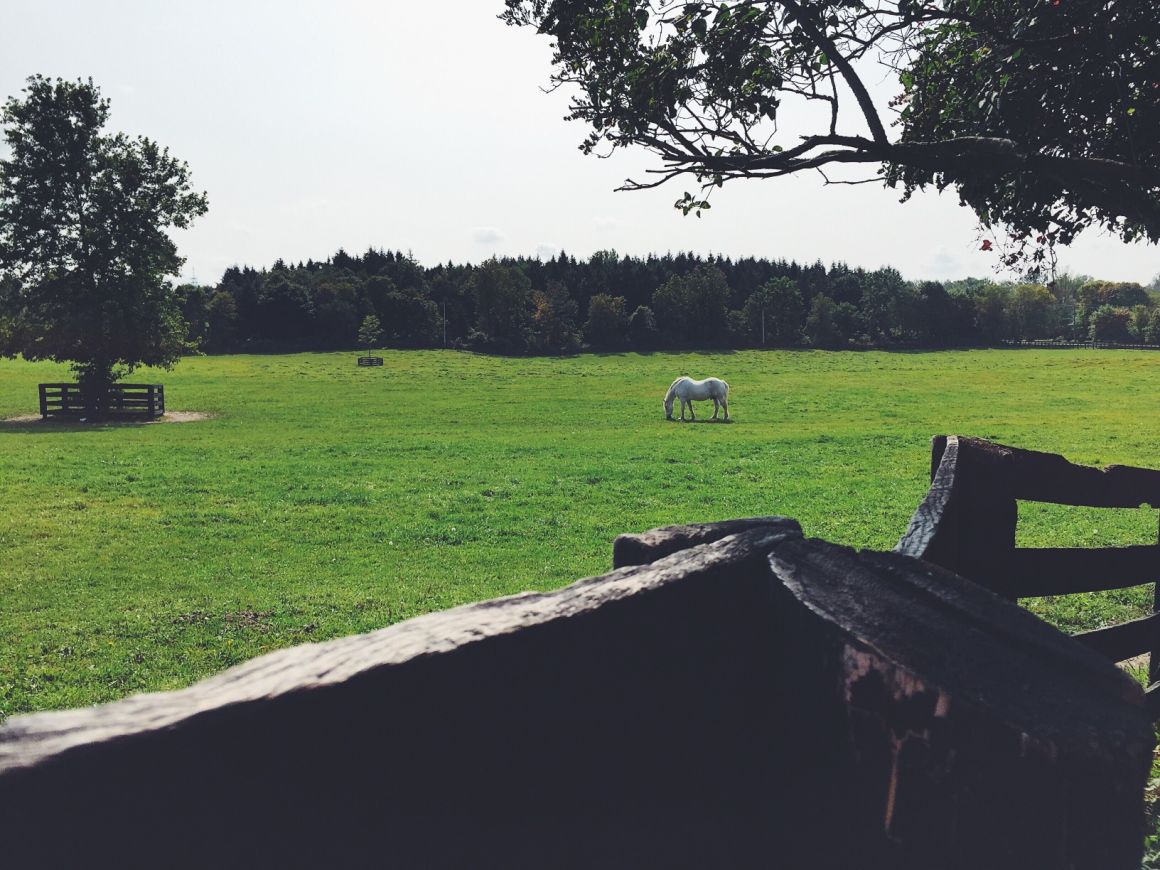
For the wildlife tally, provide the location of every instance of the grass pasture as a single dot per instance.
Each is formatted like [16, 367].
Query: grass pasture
[323, 499]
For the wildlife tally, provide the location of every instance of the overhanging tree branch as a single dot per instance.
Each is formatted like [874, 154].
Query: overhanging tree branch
[1044, 117]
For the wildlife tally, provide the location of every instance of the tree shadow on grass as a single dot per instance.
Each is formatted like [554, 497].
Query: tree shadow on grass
[660, 352]
[35, 424]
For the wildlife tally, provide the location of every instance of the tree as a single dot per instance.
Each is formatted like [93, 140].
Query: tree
[221, 321]
[503, 296]
[193, 302]
[691, 308]
[83, 221]
[554, 320]
[1042, 114]
[883, 300]
[1095, 294]
[1152, 333]
[410, 319]
[285, 308]
[1109, 323]
[1141, 317]
[1030, 312]
[642, 328]
[991, 312]
[822, 327]
[774, 312]
[607, 322]
[939, 316]
[370, 332]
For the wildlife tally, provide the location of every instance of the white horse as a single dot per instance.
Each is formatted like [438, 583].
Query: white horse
[688, 390]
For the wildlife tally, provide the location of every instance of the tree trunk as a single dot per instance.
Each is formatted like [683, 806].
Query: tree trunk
[96, 379]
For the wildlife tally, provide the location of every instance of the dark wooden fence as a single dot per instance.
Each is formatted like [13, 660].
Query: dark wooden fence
[967, 523]
[370, 360]
[1071, 345]
[122, 400]
[739, 697]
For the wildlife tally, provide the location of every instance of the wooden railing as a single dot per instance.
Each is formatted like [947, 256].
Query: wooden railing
[122, 400]
[967, 522]
[1070, 345]
[736, 695]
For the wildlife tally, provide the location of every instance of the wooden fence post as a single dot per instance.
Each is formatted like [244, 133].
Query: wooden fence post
[1154, 656]
[987, 541]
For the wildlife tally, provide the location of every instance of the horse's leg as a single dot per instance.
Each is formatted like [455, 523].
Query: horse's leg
[725, 405]
[715, 406]
[692, 412]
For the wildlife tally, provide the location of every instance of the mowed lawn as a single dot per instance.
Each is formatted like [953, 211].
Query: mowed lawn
[323, 499]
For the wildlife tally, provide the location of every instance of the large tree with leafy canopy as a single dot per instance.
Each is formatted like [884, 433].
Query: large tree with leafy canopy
[1044, 115]
[84, 252]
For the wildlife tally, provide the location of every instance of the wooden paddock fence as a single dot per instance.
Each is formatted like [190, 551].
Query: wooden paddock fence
[122, 400]
[967, 523]
[734, 695]
[370, 360]
[1088, 345]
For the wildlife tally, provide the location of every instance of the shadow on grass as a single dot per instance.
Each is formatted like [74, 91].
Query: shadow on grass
[725, 351]
[34, 423]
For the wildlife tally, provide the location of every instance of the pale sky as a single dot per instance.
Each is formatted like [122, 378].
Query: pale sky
[422, 126]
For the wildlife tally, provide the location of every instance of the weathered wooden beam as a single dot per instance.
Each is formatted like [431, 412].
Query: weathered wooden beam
[1123, 641]
[982, 736]
[641, 549]
[933, 533]
[1048, 477]
[1069, 570]
[759, 700]
[966, 523]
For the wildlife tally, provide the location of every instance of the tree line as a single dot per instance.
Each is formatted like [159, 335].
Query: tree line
[610, 302]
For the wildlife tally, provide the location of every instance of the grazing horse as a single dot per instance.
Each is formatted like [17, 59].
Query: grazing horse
[688, 390]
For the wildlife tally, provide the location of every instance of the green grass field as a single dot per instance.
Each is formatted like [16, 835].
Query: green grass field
[324, 499]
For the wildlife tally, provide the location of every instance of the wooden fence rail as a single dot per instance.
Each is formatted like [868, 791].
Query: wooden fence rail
[739, 696]
[122, 400]
[1088, 345]
[967, 523]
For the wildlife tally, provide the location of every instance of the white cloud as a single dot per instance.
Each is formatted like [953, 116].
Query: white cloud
[487, 235]
[547, 251]
[943, 265]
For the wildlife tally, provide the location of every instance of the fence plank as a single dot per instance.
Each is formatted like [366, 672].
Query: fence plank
[757, 701]
[1123, 641]
[1068, 570]
[642, 549]
[1048, 477]
[123, 400]
[1152, 700]
[929, 535]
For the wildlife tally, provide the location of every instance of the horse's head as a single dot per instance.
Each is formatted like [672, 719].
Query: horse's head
[668, 403]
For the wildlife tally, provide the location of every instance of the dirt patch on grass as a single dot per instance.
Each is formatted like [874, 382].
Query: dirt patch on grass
[169, 417]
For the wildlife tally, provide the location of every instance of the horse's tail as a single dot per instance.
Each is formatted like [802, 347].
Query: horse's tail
[726, 386]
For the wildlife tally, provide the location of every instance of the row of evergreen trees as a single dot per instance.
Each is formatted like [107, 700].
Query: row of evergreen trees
[608, 302]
